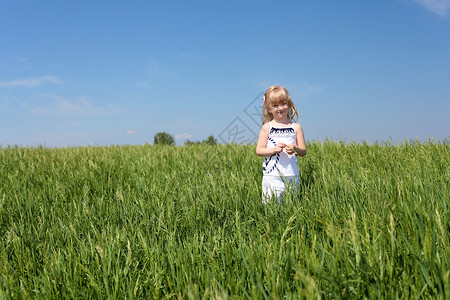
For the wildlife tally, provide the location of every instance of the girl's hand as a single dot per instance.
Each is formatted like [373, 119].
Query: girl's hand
[278, 148]
[290, 149]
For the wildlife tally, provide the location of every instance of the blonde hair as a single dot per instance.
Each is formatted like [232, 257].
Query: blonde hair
[275, 95]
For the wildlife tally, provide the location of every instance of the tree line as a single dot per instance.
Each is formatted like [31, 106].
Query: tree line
[164, 138]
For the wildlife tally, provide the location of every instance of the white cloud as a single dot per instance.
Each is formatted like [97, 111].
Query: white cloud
[143, 84]
[157, 70]
[297, 90]
[130, 131]
[188, 56]
[183, 136]
[30, 82]
[62, 107]
[14, 62]
[439, 7]
[306, 89]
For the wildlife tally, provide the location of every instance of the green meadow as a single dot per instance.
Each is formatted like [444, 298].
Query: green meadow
[369, 221]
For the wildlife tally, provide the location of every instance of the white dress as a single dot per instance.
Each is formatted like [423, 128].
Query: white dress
[281, 164]
[280, 170]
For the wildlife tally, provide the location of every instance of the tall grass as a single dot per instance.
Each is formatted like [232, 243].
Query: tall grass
[165, 222]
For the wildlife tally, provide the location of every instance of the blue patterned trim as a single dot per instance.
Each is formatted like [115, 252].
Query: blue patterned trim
[282, 130]
[276, 157]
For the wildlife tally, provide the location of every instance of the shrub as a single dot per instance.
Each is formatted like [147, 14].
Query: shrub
[208, 141]
[163, 138]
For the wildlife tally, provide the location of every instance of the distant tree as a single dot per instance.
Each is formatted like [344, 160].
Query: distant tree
[190, 143]
[210, 140]
[163, 138]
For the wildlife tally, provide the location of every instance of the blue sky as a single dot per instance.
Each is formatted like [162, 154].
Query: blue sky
[76, 73]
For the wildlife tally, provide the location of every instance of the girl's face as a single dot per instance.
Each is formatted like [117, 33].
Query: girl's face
[280, 111]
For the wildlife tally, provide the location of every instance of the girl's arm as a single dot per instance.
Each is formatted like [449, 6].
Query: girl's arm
[261, 149]
[300, 148]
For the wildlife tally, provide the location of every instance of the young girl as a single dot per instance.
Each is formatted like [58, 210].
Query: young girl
[279, 140]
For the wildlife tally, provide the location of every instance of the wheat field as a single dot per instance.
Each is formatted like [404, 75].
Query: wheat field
[369, 221]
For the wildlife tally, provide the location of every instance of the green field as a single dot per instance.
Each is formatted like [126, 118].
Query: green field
[369, 221]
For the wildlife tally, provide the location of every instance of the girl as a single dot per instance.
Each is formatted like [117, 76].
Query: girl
[279, 140]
